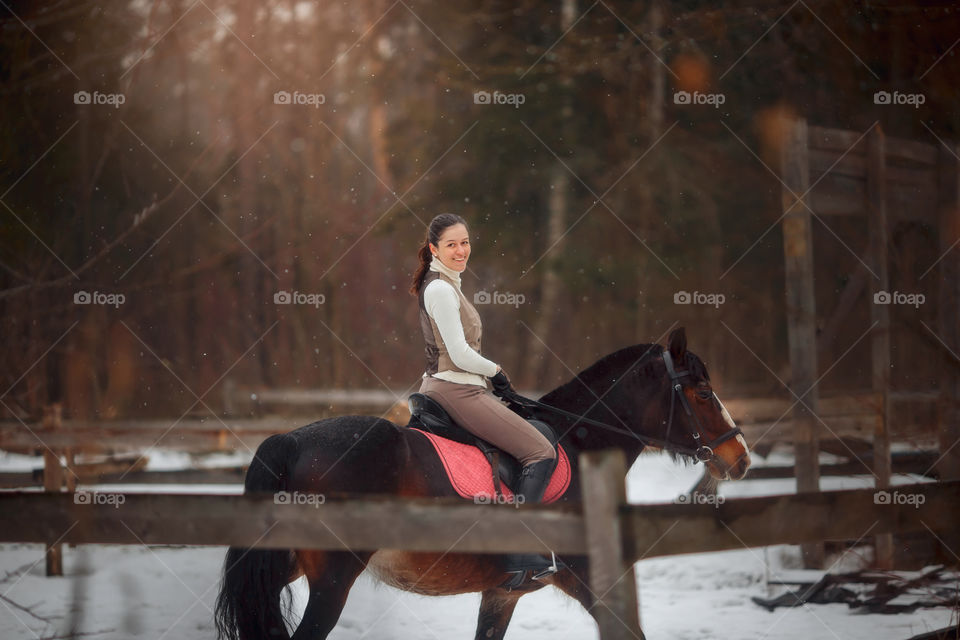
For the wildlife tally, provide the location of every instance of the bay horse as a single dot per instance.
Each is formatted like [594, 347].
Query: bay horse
[640, 392]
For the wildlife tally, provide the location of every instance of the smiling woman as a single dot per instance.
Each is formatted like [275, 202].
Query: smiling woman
[456, 373]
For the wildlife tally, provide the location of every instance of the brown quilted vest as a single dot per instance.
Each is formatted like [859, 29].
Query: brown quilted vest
[438, 359]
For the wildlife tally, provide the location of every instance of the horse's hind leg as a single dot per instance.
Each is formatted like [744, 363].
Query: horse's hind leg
[330, 575]
[496, 609]
[574, 582]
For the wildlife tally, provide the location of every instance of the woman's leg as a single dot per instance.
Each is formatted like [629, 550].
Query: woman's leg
[483, 415]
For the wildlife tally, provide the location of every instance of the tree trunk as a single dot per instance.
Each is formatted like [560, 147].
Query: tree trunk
[644, 323]
[541, 361]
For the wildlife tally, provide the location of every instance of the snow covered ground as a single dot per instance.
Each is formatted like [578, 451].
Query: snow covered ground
[118, 592]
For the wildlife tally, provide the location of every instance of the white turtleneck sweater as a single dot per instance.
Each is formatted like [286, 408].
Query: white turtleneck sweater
[442, 304]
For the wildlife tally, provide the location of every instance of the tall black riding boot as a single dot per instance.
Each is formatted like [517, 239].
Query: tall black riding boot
[534, 479]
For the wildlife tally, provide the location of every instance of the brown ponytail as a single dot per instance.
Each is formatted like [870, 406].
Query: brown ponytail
[424, 255]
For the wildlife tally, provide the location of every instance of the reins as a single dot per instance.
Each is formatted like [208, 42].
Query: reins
[702, 453]
[646, 440]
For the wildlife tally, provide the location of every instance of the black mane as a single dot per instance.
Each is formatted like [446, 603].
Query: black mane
[600, 375]
[580, 394]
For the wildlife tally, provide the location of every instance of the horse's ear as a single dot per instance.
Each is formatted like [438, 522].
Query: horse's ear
[677, 344]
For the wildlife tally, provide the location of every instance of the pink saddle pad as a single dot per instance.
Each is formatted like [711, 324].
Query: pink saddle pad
[471, 476]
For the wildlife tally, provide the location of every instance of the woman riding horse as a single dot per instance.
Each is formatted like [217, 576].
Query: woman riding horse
[455, 373]
[642, 395]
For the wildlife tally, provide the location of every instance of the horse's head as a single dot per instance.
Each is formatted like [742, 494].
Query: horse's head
[648, 395]
[692, 418]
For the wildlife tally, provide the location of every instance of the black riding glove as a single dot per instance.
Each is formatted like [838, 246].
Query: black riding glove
[501, 384]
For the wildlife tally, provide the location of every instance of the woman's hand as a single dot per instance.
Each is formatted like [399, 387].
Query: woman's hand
[501, 384]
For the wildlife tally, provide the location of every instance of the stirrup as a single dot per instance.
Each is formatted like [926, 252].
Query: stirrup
[548, 571]
[520, 577]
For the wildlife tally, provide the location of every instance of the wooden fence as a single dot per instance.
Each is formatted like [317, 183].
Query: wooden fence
[612, 533]
[851, 417]
[765, 419]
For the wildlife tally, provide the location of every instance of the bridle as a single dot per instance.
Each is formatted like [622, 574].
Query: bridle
[703, 452]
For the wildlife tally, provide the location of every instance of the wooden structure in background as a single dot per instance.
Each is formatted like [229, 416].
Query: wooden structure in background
[830, 172]
[763, 420]
[948, 207]
[801, 318]
[877, 226]
[57, 477]
[948, 321]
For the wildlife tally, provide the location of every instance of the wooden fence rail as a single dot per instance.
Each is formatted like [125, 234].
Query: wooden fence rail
[437, 524]
[851, 416]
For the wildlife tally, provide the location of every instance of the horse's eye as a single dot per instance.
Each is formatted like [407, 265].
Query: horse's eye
[705, 393]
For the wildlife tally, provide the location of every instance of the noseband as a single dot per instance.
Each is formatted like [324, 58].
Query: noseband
[702, 452]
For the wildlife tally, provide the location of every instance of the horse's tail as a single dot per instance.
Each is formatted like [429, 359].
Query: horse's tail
[249, 605]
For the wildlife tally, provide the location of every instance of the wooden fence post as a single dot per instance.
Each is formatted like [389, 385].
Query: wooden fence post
[229, 396]
[948, 406]
[53, 478]
[880, 314]
[801, 316]
[612, 580]
[948, 200]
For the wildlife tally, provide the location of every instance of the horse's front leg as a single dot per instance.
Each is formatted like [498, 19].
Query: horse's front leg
[496, 609]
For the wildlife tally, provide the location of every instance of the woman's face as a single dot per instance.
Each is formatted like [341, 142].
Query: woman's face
[453, 248]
